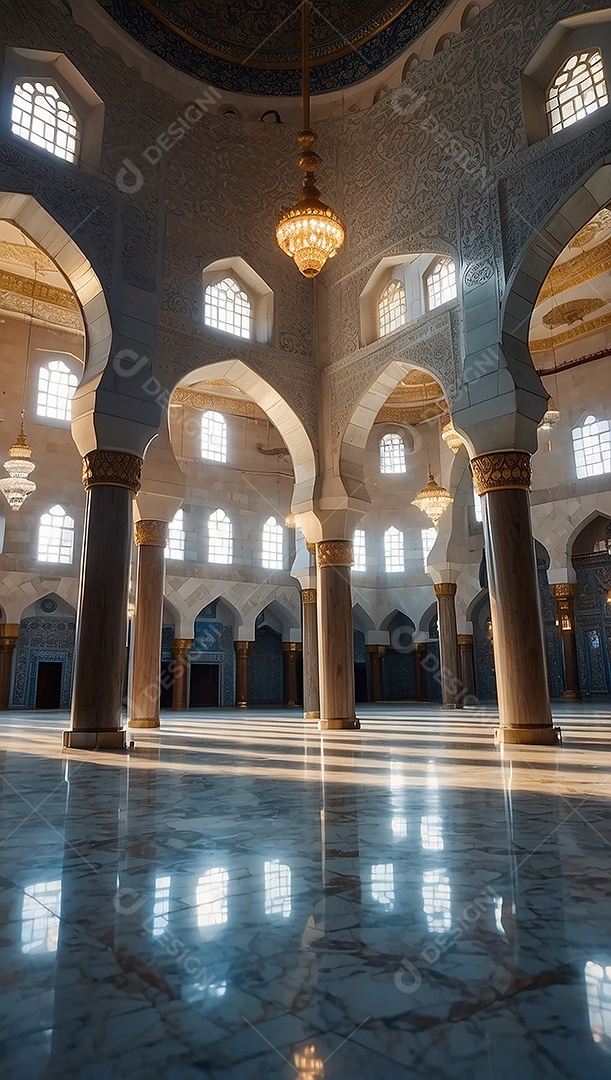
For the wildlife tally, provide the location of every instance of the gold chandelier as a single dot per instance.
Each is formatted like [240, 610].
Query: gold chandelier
[451, 437]
[433, 500]
[310, 232]
[16, 486]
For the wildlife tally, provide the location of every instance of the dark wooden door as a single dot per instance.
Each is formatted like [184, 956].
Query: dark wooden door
[49, 684]
[204, 686]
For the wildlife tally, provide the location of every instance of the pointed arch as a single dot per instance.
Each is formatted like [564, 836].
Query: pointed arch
[362, 619]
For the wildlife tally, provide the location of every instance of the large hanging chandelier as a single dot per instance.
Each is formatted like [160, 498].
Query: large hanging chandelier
[16, 486]
[451, 437]
[310, 232]
[433, 500]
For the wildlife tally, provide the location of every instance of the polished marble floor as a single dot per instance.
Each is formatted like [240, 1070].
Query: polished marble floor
[239, 898]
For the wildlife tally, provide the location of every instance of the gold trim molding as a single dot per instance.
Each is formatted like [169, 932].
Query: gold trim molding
[334, 553]
[503, 469]
[151, 533]
[112, 468]
[584, 329]
[201, 399]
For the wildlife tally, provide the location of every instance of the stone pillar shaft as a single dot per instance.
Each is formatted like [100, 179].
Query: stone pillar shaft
[376, 687]
[9, 632]
[111, 479]
[451, 682]
[181, 648]
[420, 650]
[564, 595]
[502, 479]
[467, 667]
[151, 539]
[242, 649]
[309, 635]
[335, 635]
[290, 654]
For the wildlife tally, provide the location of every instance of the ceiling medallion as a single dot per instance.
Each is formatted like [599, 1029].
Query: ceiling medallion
[433, 500]
[571, 312]
[310, 232]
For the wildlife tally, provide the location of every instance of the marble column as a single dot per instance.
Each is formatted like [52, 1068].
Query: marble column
[335, 635]
[290, 655]
[111, 479]
[376, 674]
[309, 635]
[467, 668]
[242, 649]
[564, 595]
[151, 539]
[451, 682]
[421, 649]
[181, 647]
[502, 479]
[9, 632]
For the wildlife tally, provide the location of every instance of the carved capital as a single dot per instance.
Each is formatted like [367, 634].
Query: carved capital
[112, 468]
[564, 590]
[293, 647]
[242, 648]
[334, 553]
[181, 646]
[7, 644]
[465, 641]
[500, 470]
[376, 650]
[445, 589]
[151, 533]
[308, 596]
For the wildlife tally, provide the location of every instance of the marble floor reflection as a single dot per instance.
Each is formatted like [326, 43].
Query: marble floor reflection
[239, 897]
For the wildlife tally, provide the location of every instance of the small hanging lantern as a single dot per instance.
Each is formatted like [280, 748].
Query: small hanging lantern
[16, 486]
[550, 418]
[433, 500]
[451, 437]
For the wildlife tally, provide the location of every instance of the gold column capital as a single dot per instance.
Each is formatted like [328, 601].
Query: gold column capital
[376, 650]
[291, 647]
[181, 646]
[563, 590]
[151, 533]
[112, 468]
[445, 589]
[501, 470]
[465, 641]
[308, 596]
[242, 648]
[334, 553]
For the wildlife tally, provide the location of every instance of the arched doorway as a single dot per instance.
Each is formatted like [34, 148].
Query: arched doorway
[591, 559]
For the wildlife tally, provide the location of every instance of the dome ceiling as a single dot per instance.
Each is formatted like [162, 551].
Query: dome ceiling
[253, 46]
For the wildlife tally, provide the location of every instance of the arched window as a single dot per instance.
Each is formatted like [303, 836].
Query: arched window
[360, 552]
[41, 116]
[220, 538]
[429, 537]
[394, 551]
[273, 545]
[56, 536]
[56, 386]
[441, 283]
[478, 506]
[392, 454]
[578, 89]
[228, 308]
[592, 447]
[214, 437]
[392, 308]
[176, 538]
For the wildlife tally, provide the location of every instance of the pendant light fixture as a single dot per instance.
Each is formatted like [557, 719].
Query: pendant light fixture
[310, 232]
[433, 500]
[17, 486]
[451, 437]
[552, 414]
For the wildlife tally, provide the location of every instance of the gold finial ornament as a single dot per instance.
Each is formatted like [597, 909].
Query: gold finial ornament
[310, 232]
[16, 486]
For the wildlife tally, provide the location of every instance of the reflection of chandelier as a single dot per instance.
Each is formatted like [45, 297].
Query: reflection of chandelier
[310, 232]
[16, 487]
[451, 437]
[308, 1065]
[433, 500]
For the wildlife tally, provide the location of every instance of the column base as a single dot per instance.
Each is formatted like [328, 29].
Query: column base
[144, 722]
[531, 736]
[242, 705]
[312, 715]
[449, 707]
[95, 740]
[571, 695]
[340, 723]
